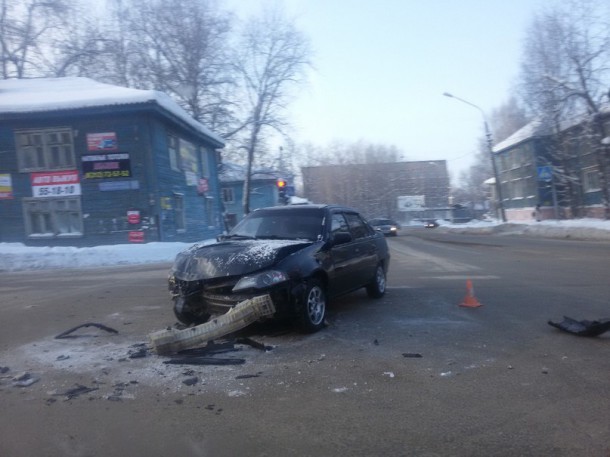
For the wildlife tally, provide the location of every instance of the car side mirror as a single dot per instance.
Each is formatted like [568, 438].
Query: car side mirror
[342, 237]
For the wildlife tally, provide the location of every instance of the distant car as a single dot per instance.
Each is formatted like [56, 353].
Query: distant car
[386, 226]
[301, 255]
[431, 224]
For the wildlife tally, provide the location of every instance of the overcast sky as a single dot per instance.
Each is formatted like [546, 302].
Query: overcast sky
[382, 66]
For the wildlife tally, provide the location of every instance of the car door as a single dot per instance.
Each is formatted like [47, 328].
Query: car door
[342, 254]
[365, 252]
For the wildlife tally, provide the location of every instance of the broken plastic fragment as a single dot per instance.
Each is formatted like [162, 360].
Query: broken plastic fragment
[24, 380]
[582, 328]
[66, 334]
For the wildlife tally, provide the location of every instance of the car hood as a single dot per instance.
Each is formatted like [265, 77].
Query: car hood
[232, 258]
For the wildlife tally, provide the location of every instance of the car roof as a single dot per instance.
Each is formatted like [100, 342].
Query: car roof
[306, 206]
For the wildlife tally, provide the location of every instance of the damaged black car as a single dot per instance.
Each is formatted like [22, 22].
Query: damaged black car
[301, 255]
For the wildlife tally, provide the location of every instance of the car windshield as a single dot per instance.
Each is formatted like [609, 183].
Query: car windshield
[291, 225]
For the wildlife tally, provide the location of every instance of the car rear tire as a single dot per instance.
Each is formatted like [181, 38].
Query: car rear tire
[311, 307]
[376, 288]
[188, 313]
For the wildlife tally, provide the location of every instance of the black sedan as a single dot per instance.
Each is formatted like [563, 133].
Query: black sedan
[301, 255]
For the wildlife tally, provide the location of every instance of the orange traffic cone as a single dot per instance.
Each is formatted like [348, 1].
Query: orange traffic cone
[470, 301]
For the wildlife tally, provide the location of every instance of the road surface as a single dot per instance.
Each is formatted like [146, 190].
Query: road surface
[412, 374]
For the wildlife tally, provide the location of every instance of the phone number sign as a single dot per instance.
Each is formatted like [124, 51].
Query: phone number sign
[55, 184]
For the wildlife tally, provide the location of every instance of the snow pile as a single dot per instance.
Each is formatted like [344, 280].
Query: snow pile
[577, 229]
[17, 256]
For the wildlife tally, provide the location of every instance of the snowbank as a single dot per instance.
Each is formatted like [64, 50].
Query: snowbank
[17, 257]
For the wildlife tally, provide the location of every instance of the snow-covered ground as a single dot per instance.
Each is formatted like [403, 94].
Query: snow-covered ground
[16, 256]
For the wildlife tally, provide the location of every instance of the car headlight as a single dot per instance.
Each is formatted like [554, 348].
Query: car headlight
[261, 280]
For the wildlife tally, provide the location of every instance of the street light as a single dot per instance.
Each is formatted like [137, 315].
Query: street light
[491, 153]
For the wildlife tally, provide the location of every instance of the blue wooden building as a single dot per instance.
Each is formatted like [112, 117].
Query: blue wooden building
[84, 163]
[559, 171]
[264, 190]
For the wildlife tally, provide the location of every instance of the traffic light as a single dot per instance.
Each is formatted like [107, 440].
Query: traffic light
[281, 190]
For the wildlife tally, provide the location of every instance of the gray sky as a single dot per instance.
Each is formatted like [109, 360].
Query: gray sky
[381, 68]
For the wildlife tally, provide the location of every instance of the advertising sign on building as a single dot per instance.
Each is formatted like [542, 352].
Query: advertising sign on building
[188, 156]
[411, 202]
[55, 184]
[133, 217]
[135, 236]
[191, 178]
[202, 186]
[106, 166]
[6, 187]
[102, 141]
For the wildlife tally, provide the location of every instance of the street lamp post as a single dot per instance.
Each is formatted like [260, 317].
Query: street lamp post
[491, 154]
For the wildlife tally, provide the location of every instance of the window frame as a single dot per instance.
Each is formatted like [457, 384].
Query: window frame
[179, 212]
[357, 226]
[173, 150]
[42, 151]
[227, 190]
[51, 211]
[590, 180]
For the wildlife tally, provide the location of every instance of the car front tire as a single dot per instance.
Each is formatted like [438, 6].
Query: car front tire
[311, 307]
[376, 288]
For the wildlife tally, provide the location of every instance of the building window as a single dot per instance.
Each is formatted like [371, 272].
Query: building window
[47, 149]
[53, 217]
[227, 195]
[591, 180]
[205, 166]
[209, 211]
[179, 212]
[174, 156]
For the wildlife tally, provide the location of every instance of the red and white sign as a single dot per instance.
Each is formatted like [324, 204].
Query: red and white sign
[136, 236]
[55, 184]
[202, 185]
[133, 217]
[6, 187]
[102, 141]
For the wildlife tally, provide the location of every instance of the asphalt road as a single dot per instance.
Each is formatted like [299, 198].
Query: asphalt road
[412, 374]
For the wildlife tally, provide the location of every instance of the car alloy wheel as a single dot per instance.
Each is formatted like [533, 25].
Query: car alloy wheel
[311, 310]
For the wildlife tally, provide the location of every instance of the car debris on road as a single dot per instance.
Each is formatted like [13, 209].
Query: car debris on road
[582, 328]
[68, 333]
[165, 342]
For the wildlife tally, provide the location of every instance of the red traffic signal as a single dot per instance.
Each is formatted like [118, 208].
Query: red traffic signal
[281, 183]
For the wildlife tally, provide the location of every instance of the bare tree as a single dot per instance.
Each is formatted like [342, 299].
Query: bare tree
[358, 152]
[507, 119]
[182, 50]
[272, 56]
[24, 25]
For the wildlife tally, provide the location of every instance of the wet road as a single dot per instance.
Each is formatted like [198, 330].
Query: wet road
[410, 374]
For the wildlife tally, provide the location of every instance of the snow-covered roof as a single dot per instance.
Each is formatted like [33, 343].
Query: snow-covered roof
[531, 130]
[538, 128]
[53, 94]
